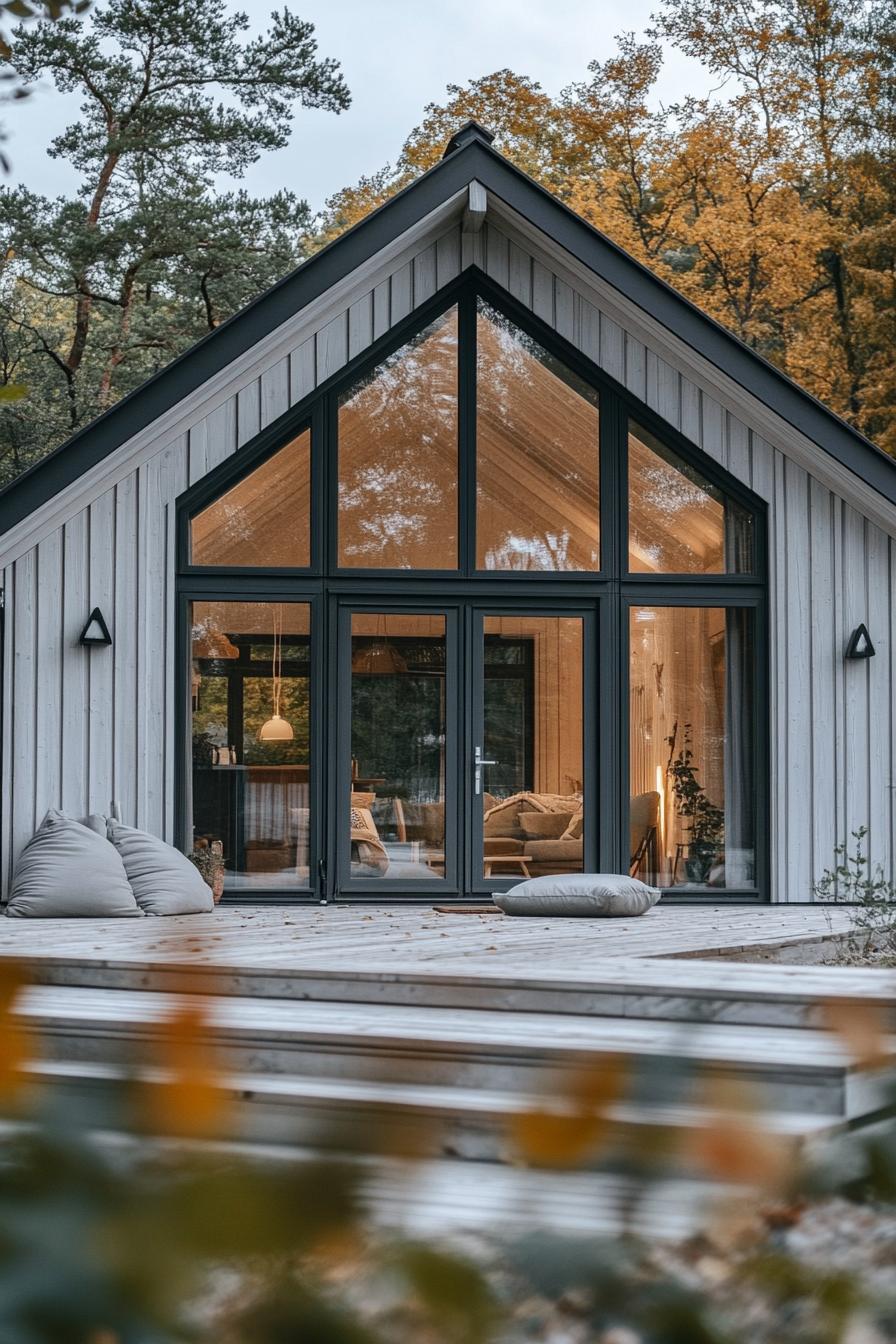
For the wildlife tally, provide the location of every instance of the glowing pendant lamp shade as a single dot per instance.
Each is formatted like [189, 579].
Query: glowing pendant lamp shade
[276, 728]
[379, 658]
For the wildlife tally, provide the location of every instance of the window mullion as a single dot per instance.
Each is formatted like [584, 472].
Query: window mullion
[613, 486]
[466, 431]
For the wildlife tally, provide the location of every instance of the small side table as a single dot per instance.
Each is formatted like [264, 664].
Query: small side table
[520, 861]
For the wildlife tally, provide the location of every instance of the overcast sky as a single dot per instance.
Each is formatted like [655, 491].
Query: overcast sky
[397, 55]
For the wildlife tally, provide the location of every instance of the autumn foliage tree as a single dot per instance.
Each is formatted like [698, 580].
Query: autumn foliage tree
[770, 204]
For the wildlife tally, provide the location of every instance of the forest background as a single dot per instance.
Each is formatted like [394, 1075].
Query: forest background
[770, 202]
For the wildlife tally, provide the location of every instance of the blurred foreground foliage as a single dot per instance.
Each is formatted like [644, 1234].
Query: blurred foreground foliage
[111, 1236]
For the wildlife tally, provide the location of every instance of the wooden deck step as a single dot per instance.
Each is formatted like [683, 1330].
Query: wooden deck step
[671, 990]
[789, 1069]
[426, 1121]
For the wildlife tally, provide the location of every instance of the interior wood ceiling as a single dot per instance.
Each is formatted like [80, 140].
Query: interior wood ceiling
[537, 475]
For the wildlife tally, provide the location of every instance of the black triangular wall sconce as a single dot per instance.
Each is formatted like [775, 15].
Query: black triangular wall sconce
[860, 645]
[96, 631]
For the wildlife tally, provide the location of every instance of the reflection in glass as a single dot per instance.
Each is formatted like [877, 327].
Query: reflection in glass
[533, 687]
[264, 518]
[398, 458]
[251, 795]
[692, 723]
[679, 523]
[397, 829]
[537, 455]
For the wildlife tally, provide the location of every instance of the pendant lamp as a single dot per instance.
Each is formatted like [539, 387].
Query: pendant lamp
[379, 658]
[276, 729]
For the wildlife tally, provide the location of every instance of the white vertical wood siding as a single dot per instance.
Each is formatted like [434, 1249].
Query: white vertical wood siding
[76, 721]
[83, 727]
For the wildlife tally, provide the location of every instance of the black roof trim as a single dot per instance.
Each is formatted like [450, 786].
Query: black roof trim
[469, 156]
[232, 339]
[700, 331]
[467, 134]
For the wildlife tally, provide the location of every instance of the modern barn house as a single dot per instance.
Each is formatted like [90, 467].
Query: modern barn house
[470, 551]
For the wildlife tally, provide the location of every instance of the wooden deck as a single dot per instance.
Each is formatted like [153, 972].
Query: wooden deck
[334, 1024]
[365, 939]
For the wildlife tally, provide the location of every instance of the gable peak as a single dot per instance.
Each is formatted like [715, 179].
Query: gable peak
[471, 132]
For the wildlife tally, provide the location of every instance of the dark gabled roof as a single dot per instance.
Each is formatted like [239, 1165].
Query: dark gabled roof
[469, 156]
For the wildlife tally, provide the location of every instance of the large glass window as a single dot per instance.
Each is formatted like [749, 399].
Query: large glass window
[251, 730]
[458, 551]
[678, 522]
[264, 519]
[398, 458]
[537, 456]
[692, 726]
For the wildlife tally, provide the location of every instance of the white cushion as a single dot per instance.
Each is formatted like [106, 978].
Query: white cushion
[68, 869]
[594, 895]
[163, 880]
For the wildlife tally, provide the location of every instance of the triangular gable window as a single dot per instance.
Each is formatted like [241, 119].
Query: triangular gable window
[679, 522]
[537, 455]
[398, 472]
[264, 518]
[474, 447]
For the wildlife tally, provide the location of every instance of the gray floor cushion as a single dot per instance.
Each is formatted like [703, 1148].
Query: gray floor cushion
[594, 895]
[68, 869]
[164, 881]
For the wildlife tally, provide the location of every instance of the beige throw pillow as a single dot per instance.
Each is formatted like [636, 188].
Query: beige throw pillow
[544, 825]
[575, 827]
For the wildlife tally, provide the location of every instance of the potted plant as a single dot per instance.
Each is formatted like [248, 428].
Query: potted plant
[209, 859]
[706, 822]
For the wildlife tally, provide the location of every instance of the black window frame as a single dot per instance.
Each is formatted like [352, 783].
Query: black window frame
[611, 590]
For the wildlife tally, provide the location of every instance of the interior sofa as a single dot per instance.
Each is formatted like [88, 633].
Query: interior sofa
[545, 827]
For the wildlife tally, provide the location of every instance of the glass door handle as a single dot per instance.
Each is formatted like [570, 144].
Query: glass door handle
[478, 762]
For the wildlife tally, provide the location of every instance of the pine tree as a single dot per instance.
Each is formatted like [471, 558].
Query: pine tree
[99, 291]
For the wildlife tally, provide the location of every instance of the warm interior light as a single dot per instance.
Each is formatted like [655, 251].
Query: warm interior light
[661, 820]
[276, 729]
[380, 659]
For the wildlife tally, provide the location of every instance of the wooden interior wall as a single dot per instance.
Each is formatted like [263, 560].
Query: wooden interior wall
[673, 684]
[76, 720]
[557, 696]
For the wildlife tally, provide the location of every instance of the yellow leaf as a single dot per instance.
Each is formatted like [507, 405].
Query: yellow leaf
[187, 1099]
[578, 1125]
[861, 1028]
[15, 1040]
